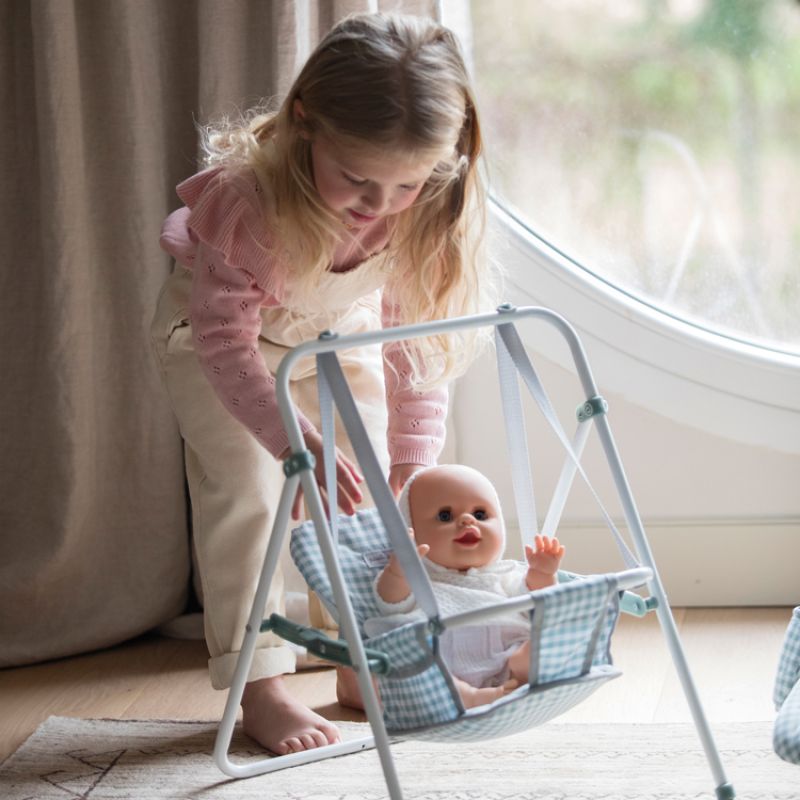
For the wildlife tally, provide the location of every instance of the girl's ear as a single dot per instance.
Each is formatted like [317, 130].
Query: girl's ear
[300, 120]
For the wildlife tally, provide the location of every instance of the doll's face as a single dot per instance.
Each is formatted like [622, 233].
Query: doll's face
[454, 510]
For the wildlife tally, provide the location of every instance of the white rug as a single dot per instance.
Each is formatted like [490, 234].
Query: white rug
[75, 759]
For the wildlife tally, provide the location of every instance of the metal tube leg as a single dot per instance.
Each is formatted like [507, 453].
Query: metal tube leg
[228, 723]
[349, 629]
[723, 788]
[247, 651]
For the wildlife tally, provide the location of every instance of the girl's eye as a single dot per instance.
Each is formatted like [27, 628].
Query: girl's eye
[354, 181]
[409, 187]
[480, 514]
[445, 515]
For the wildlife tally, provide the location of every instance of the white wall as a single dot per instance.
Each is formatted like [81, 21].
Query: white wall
[709, 438]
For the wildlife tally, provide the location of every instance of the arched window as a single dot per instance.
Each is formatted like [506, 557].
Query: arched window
[654, 143]
[645, 178]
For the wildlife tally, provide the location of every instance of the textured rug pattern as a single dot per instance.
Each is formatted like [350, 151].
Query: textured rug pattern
[73, 759]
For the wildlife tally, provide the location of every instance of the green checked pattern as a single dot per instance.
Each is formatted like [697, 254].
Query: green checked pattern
[786, 733]
[571, 636]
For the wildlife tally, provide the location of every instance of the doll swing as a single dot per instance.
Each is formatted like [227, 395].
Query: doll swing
[571, 622]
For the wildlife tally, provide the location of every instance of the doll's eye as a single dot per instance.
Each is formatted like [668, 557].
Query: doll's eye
[480, 514]
[445, 515]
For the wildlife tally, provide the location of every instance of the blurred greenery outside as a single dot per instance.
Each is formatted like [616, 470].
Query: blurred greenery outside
[655, 142]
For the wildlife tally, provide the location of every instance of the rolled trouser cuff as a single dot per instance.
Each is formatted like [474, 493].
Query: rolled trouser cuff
[267, 663]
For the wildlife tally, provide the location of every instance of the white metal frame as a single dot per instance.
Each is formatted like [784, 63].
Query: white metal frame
[379, 738]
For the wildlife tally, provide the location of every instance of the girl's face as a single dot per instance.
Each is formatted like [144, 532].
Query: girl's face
[454, 510]
[361, 187]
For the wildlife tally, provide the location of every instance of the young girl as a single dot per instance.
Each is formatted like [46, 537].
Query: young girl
[357, 204]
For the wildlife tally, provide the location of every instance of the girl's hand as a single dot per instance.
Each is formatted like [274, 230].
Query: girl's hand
[399, 474]
[348, 477]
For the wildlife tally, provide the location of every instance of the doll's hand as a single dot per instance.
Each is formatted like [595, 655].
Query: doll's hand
[543, 562]
[399, 474]
[392, 585]
[393, 565]
[422, 549]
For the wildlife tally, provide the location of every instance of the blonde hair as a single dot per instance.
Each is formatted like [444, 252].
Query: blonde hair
[397, 84]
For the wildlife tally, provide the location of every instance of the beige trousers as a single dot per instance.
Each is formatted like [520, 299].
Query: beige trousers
[234, 483]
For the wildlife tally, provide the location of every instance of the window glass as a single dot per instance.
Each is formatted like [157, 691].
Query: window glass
[657, 144]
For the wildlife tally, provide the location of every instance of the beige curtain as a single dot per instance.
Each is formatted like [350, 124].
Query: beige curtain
[99, 99]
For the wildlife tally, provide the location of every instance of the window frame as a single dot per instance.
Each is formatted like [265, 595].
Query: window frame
[678, 369]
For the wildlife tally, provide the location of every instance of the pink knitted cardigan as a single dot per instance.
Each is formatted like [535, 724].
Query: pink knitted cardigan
[222, 236]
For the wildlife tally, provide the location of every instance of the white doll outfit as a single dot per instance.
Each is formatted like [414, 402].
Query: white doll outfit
[478, 654]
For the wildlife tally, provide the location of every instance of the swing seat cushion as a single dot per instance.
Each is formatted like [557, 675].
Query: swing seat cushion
[417, 694]
[363, 551]
[418, 699]
[786, 732]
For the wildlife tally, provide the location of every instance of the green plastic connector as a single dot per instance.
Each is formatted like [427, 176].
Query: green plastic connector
[630, 603]
[323, 646]
[725, 792]
[637, 606]
[297, 462]
[591, 408]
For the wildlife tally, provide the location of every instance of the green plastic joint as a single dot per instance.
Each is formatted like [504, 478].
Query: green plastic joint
[506, 308]
[435, 626]
[297, 462]
[725, 792]
[637, 606]
[317, 643]
[591, 408]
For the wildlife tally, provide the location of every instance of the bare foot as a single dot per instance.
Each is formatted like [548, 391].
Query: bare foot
[278, 722]
[472, 696]
[348, 693]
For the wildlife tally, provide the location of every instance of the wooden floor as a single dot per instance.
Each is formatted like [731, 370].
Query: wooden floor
[732, 654]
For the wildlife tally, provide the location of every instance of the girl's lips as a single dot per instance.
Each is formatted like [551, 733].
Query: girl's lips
[360, 217]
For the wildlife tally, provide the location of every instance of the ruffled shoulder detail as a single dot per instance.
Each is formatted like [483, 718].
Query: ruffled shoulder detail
[226, 212]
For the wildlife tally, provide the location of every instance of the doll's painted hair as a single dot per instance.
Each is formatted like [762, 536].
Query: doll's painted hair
[394, 84]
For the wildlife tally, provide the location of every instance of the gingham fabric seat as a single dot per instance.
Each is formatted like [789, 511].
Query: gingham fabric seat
[786, 694]
[571, 647]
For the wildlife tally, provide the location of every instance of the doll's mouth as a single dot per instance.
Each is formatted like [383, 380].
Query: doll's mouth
[468, 537]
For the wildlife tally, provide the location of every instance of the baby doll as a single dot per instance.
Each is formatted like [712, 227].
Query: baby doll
[454, 516]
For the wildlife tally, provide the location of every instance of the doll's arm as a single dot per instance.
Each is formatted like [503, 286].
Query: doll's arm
[391, 585]
[543, 562]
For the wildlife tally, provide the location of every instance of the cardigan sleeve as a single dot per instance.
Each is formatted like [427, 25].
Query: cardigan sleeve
[224, 310]
[223, 210]
[221, 235]
[416, 430]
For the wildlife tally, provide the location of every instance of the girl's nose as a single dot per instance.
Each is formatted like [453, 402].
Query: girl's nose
[375, 199]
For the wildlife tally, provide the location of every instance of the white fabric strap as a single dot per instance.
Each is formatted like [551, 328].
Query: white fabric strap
[523, 364]
[328, 429]
[329, 372]
[565, 479]
[521, 477]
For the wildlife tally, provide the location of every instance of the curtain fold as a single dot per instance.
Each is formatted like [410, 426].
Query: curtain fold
[101, 98]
